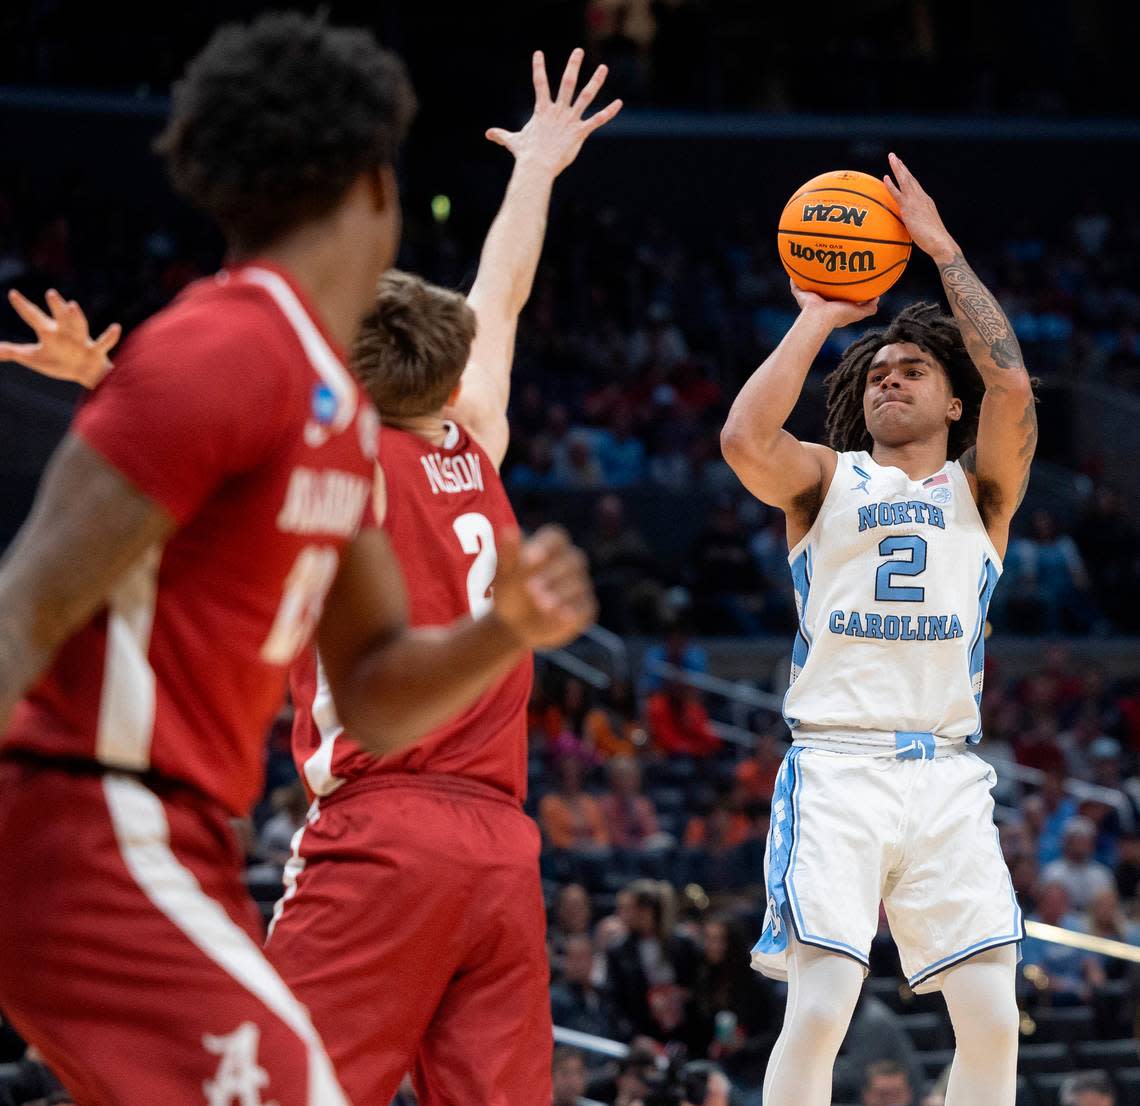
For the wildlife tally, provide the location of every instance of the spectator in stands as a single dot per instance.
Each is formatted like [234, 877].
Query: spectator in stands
[1109, 543]
[651, 970]
[704, 1084]
[1077, 741]
[538, 471]
[563, 723]
[723, 827]
[613, 727]
[621, 456]
[875, 1036]
[678, 650]
[732, 1005]
[1065, 973]
[678, 722]
[1082, 876]
[1049, 816]
[1046, 580]
[727, 586]
[1035, 746]
[757, 775]
[275, 842]
[580, 469]
[571, 819]
[575, 1001]
[887, 1084]
[569, 1072]
[570, 918]
[1127, 873]
[1105, 918]
[1087, 1088]
[631, 819]
[622, 565]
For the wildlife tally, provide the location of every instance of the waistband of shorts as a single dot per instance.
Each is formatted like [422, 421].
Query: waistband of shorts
[434, 782]
[875, 745]
[83, 767]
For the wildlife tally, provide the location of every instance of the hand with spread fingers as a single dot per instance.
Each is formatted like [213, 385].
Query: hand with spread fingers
[555, 132]
[542, 590]
[64, 348]
[919, 212]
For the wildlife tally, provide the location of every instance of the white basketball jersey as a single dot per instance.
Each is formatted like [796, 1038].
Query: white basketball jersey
[892, 584]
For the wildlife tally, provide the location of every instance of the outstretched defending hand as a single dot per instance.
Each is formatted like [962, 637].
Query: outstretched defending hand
[919, 212]
[555, 132]
[839, 313]
[65, 349]
[542, 590]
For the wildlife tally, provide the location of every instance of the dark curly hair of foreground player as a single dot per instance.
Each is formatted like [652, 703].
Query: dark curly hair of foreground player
[927, 327]
[274, 121]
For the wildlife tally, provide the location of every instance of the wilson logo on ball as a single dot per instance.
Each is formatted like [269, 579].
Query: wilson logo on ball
[857, 261]
[834, 213]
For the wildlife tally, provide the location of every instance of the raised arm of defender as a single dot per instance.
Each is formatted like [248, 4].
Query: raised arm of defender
[998, 466]
[548, 143]
[773, 465]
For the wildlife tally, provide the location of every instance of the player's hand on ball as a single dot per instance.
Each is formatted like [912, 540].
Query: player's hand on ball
[555, 132]
[542, 591]
[919, 212]
[65, 349]
[839, 313]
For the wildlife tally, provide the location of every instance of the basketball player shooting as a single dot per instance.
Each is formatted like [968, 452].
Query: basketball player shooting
[896, 531]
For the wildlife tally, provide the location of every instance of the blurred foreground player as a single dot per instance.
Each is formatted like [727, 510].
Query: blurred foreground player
[208, 498]
[896, 534]
[412, 925]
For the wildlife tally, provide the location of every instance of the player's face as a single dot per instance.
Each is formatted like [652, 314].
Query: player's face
[907, 396]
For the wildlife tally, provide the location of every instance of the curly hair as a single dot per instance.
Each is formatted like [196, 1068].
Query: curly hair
[937, 334]
[413, 345]
[272, 122]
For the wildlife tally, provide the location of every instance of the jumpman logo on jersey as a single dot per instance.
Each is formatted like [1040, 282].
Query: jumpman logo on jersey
[239, 1078]
[862, 485]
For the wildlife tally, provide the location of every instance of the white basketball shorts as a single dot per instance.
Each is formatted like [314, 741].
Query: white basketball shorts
[849, 830]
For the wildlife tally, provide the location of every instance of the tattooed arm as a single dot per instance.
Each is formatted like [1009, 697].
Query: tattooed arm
[998, 466]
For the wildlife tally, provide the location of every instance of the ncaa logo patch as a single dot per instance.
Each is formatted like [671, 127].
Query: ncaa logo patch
[324, 404]
[941, 495]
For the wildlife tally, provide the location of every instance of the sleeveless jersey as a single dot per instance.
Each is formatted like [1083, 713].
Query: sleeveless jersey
[892, 583]
[233, 410]
[445, 505]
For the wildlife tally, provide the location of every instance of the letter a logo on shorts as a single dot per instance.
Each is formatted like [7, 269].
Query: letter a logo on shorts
[239, 1078]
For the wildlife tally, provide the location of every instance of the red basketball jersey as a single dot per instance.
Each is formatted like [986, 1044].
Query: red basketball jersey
[232, 409]
[445, 505]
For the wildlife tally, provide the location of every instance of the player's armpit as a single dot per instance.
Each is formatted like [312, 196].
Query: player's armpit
[783, 472]
[481, 406]
[89, 524]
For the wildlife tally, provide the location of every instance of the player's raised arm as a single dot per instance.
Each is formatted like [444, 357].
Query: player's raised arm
[773, 465]
[88, 526]
[64, 348]
[548, 143]
[392, 684]
[998, 466]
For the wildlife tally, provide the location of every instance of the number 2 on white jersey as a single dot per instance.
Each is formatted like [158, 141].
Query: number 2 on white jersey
[477, 536]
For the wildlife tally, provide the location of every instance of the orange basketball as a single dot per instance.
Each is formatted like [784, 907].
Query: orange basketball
[841, 236]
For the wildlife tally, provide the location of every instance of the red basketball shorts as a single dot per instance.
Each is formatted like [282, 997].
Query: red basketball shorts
[413, 929]
[129, 950]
